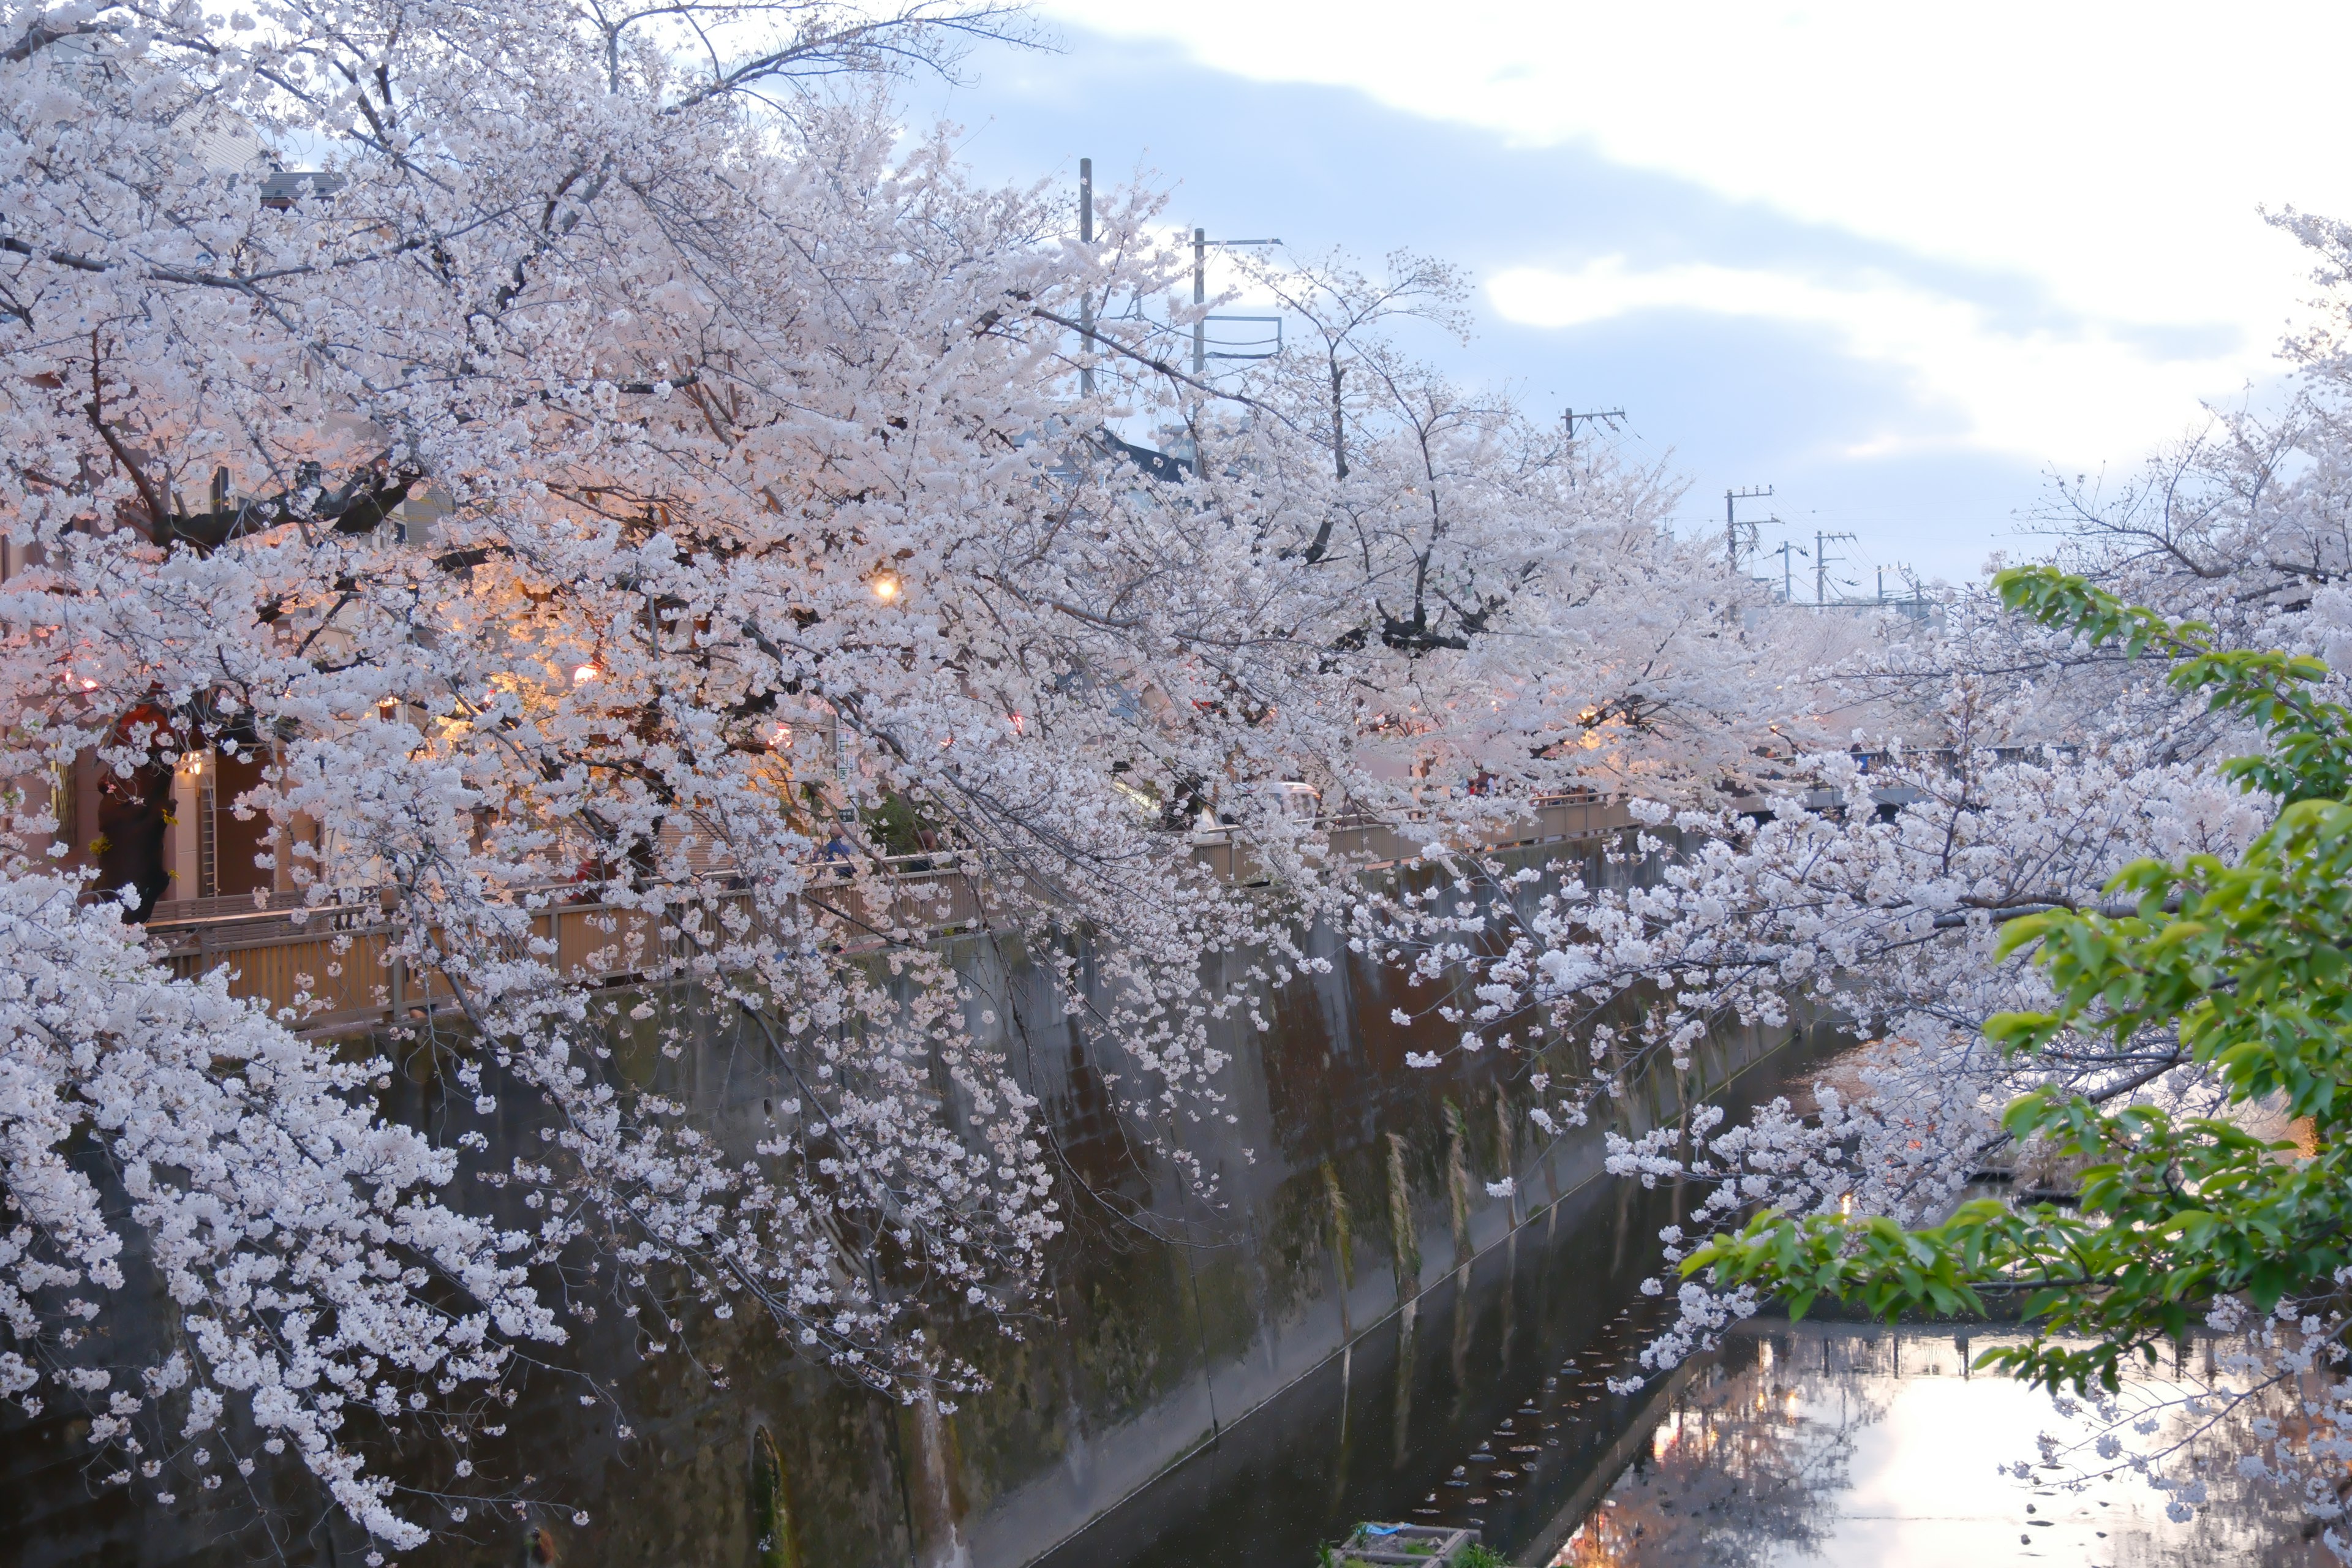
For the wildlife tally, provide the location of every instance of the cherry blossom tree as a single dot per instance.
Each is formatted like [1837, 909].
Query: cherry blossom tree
[1978, 881]
[584, 460]
[1583, 641]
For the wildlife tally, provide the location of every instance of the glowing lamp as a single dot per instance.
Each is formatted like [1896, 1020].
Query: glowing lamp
[887, 586]
[584, 674]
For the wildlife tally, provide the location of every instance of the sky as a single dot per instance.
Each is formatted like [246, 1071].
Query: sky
[1901, 263]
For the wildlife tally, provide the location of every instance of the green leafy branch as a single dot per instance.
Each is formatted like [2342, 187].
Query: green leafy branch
[2309, 751]
[2248, 963]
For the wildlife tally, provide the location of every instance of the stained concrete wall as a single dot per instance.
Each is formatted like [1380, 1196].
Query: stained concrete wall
[1348, 1187]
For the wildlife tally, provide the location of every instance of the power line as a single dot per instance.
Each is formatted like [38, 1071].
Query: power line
[1821, 558]
[1201, 246]
[1608, 416]
[1732, 525]
[1788, 570]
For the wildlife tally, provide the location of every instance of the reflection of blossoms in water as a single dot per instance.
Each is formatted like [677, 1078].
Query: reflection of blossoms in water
[2240, 1434]
[1852, 1445]
[1731, 1472]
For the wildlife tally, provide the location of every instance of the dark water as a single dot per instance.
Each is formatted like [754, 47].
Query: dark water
[1498, 1374]
[1842, 1445]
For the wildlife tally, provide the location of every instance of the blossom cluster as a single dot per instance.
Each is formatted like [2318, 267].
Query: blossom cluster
[587, 472]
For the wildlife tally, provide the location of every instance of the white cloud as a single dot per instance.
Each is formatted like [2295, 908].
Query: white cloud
[2008, 390]
[2112, 155]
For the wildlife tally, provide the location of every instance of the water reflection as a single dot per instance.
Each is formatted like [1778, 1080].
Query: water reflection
[1847, 1444]
[1841, 1444]
[1483, 1403]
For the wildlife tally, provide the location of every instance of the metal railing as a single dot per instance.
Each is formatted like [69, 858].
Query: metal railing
[1377, 842]
[334, 966]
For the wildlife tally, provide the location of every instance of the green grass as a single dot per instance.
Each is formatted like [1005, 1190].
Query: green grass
[1326, 1556]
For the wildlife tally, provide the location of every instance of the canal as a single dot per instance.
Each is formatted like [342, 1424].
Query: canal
[1396, 1304]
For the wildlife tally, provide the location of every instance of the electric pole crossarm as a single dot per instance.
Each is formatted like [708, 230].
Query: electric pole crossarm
[1570, 419]
[1732, 525]
[1821, 558]
[1201, 244]
[1790, 549]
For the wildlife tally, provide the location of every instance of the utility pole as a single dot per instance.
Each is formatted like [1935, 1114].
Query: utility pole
[1608, 416]
[1201, 301]
[1731, 500]
[1788, 570]
[1087, 299]
[1200, 244]
[1821, 558]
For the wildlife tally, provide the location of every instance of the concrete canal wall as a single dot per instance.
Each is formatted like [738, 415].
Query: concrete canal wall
[1347, 1185]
